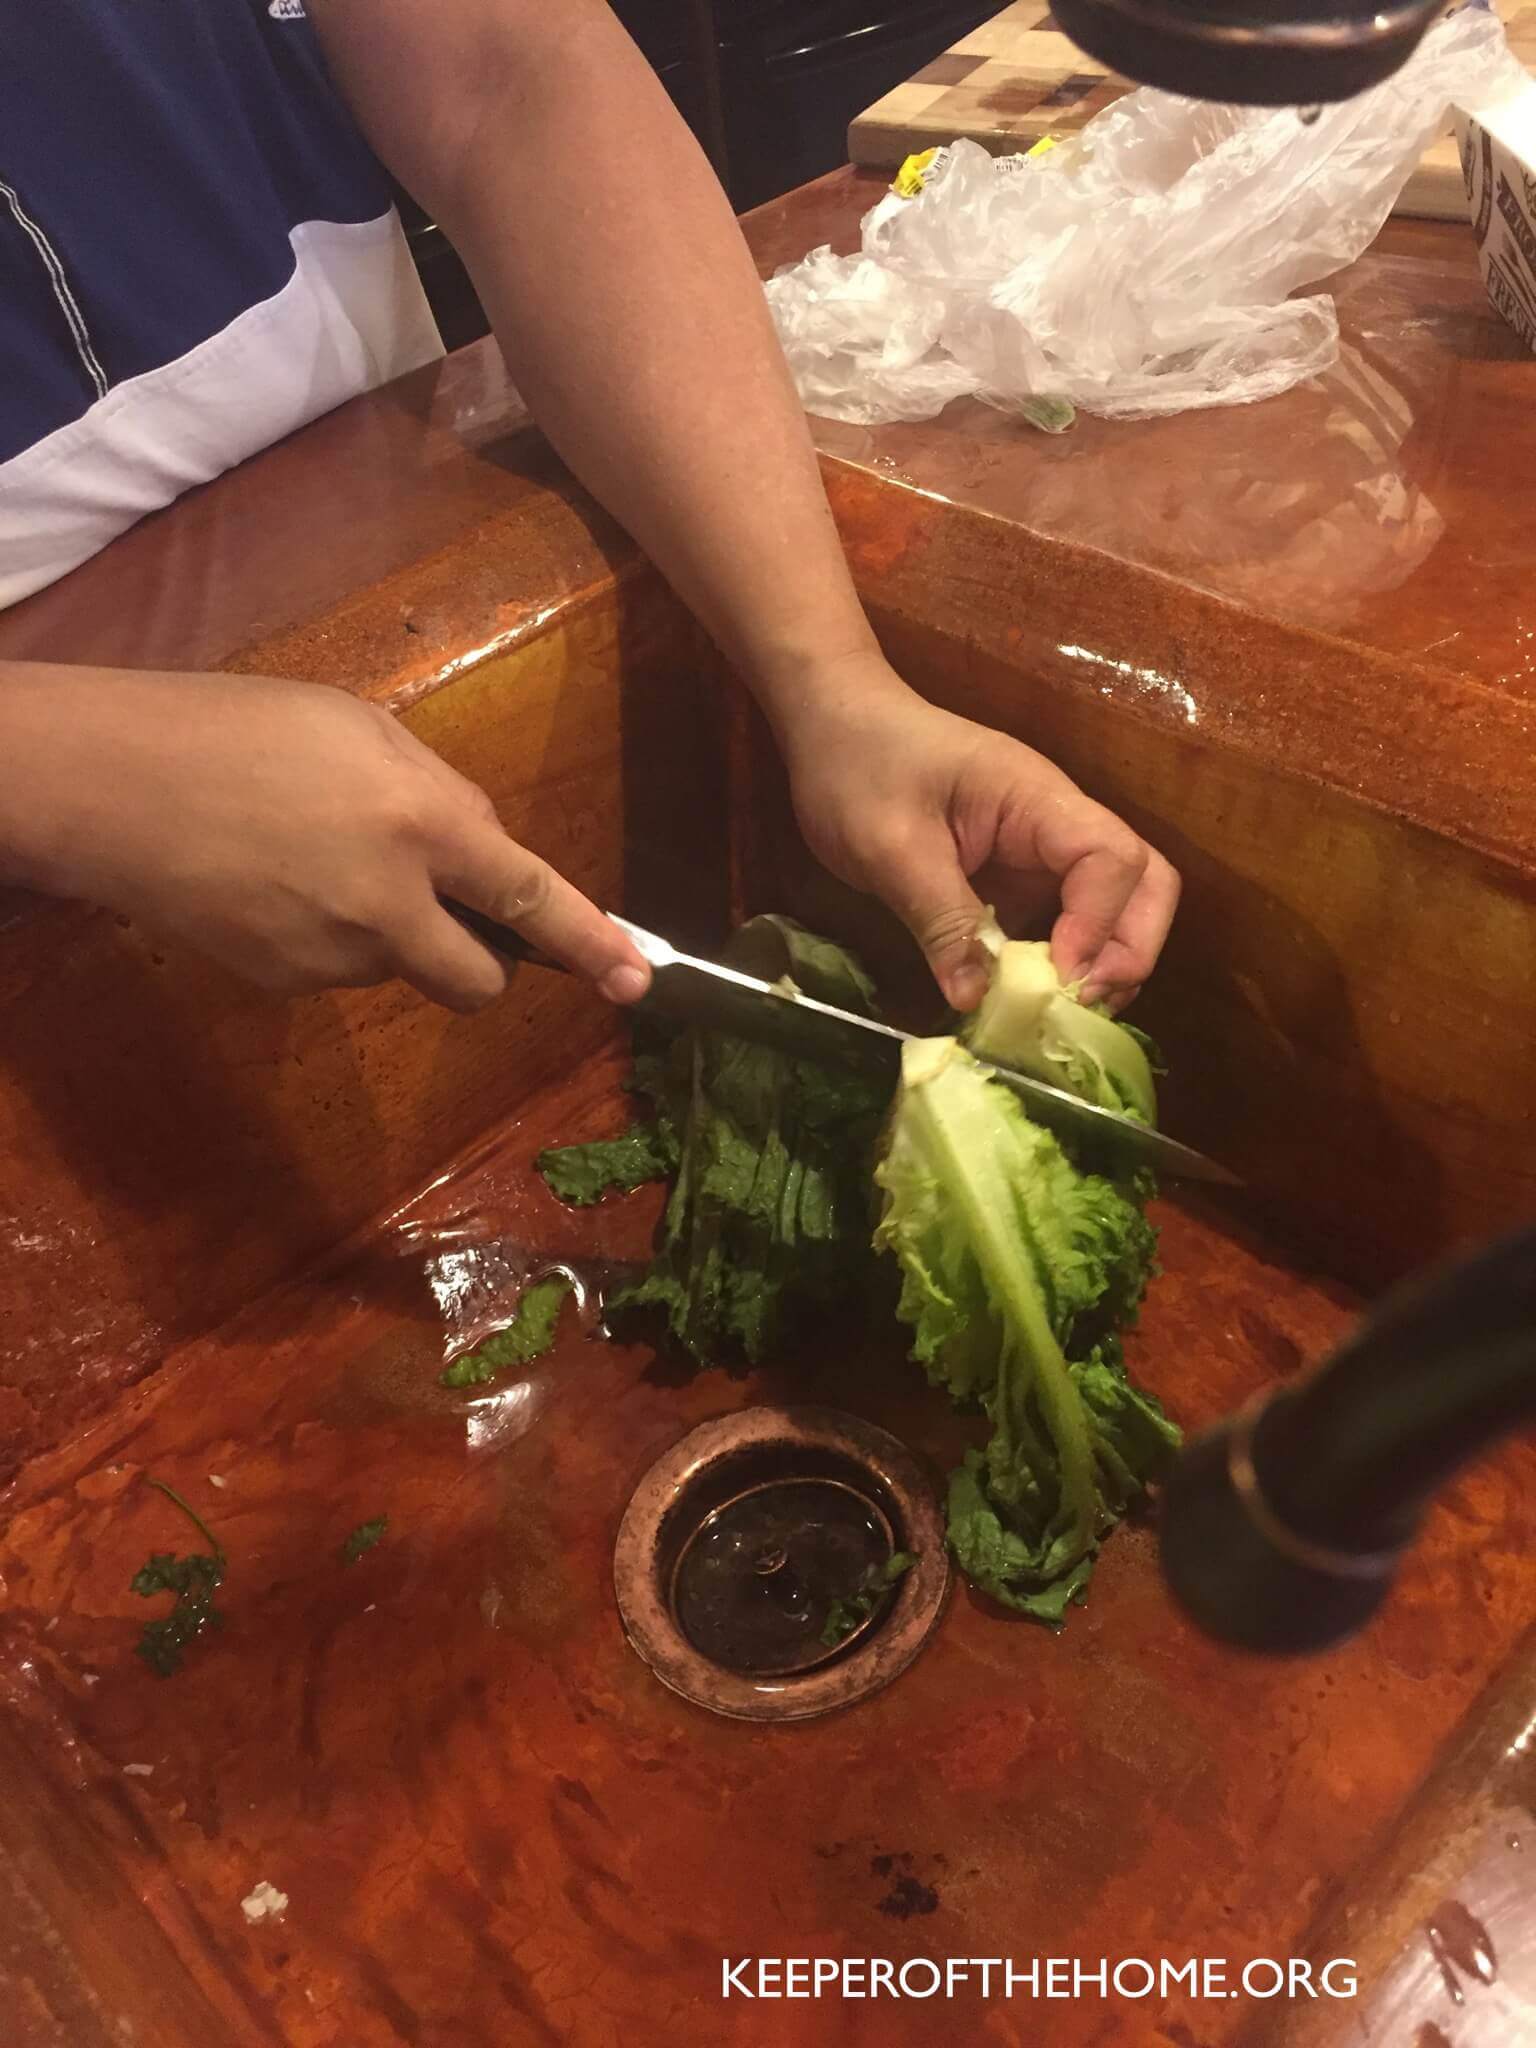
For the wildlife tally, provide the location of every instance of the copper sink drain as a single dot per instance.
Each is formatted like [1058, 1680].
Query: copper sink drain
[742, 1556]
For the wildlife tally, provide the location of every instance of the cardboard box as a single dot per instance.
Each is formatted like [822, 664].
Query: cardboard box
[1498, 161]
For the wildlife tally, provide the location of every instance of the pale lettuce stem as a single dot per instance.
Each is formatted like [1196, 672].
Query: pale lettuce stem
[1017, 1295]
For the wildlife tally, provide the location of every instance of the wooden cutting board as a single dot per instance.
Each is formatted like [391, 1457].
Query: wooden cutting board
[1016, 78]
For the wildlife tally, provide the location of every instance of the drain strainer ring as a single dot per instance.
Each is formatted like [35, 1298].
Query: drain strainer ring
[740, 1535]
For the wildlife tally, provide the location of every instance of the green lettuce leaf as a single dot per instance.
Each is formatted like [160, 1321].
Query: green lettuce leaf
[768, 1219]
[1012, 1262]
[526, 1337]
[1029, 1020]
[582, 1174]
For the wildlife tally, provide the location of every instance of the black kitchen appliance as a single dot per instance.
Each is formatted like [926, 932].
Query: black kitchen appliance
[794, 73]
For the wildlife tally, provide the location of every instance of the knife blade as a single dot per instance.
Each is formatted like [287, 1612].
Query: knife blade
[689, 990]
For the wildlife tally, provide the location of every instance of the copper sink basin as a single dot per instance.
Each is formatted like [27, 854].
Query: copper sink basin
[235, 1236]
[1442, 1918]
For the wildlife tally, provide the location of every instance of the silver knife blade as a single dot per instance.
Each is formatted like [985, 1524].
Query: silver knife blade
[694, 991]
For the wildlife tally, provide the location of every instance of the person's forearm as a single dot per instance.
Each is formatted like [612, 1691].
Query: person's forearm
[31, 846]
[632, 320]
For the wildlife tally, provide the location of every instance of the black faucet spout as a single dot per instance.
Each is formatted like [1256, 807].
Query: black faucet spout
[1265, 52]
[1283, 1528]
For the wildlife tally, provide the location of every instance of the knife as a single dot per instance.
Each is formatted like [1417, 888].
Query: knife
[692, 991]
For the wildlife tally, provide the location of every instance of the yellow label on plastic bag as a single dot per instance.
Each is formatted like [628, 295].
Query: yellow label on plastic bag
[909, 179]
[913, 175]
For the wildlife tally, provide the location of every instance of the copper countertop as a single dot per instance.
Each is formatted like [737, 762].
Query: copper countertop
[1392, 502]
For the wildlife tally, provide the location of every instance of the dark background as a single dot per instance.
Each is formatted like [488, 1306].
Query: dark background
[768, 86]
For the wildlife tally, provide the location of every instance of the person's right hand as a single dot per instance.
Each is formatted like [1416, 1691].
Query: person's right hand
[290, 831]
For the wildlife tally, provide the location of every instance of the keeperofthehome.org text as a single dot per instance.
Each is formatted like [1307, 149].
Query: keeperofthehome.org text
[1038, 1977]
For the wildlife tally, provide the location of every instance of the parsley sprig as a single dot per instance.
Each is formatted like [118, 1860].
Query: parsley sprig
[193, 1580]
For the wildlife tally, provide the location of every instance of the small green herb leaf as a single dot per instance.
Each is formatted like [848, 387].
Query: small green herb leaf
[1050, 415]
[192, 1580]
[363, 1538]
[844, 1616]
[529, 1334]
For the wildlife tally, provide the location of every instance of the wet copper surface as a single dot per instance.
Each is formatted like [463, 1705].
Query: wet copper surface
[1443, 1916]
[494, 1826]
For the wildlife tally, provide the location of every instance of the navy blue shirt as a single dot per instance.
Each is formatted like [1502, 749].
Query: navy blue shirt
[163, 150]
[198, 253]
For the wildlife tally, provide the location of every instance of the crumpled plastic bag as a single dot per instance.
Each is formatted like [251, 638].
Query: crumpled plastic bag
[1142, 267]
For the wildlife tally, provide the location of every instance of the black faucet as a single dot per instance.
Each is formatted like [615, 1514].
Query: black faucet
[1282, 1529]
[1266, 52]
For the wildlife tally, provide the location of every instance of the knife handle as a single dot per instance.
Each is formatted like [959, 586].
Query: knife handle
[502, 939]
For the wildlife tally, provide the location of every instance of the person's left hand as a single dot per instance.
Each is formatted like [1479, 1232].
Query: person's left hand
[936, 815]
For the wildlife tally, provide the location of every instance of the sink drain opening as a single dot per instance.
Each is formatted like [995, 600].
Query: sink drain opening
[761, 1577]
[752, 1563]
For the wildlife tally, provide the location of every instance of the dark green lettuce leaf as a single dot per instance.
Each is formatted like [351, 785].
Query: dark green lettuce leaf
[768, 1218]
[582, 1174]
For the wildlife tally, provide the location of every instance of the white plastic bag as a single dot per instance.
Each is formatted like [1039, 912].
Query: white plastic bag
[1142, 268]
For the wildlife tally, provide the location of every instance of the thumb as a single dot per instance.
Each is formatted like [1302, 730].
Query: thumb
[927, 888]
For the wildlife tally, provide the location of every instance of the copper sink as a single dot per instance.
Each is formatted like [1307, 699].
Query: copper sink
[235, 1236]
[1443, 1916]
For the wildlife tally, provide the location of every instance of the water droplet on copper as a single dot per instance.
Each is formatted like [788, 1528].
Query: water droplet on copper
[1459, 1941]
